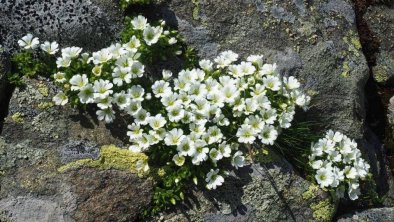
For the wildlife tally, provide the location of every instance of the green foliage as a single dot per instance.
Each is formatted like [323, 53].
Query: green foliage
[27, 63]
[294, 143]
[124, 4]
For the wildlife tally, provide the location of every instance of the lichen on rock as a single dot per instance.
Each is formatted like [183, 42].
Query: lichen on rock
[111, 157]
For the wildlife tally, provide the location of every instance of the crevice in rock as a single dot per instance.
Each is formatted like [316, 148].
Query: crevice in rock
[6, 89]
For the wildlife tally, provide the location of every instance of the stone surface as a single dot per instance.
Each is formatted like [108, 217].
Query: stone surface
[380, 20]
[370, 215]
[269, 191]
[315, 41]
[90, 24]
[37, 140]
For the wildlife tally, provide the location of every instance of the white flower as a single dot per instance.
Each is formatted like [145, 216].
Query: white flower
[268, 135]
[60, 99]
[214, 179]
[28, 42]
[134, 132]
[225, 149]
[201, 152]
[102, 88]
[139, 22]
[178, 160]
[334, 136]
[142, 166]
[268, 70]
[238, 160]
[350, 172]
[172, 41]
[50, 47]
[101, 56]
[161, 88]
[247, 68]
[120, 75]
[215, 155]
[137, 69]
[174, 137]
[104, 103]
[226, 58]
[214, 135]
[152, 34]
[354, 191]
[60, 77]
[157, 122]
[141, 117]
[86, 94]
[324, 177]
[246, 134]
[167, 74]
[71, 52]
[133, 44]
[63, 62]
[108, 115]
[291, 83]
[206, 65]
[186, 147]
[136, 92]
[133, 108]
[175, 113]
[317, 164]
[271, 82]
[257, 60]
[78, 82]
[122, 100]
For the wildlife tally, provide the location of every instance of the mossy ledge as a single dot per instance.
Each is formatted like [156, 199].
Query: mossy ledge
[111, 157]
[323, 211]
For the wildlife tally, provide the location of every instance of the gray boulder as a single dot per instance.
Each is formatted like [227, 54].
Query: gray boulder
[380, 19]
[370, 215]
[317, 42]
[40, 176]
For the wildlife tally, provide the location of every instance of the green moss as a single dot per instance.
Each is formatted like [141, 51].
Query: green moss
[356, 42]
[43, 89]
[4, 218]
[196, 9]
[17, 117]
[311, 192]
[323, 211]
[346, 69]
[380, 74]
[111, 157]
[45, 105]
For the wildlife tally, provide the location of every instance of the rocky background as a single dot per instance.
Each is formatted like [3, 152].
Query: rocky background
[341, 50]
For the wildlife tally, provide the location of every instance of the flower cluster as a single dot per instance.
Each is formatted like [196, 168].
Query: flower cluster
[200, 118]
[338, 164]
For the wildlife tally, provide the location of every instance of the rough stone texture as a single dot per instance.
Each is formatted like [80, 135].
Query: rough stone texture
[371, 215]
[315, 41]
[37, 139]
[380, 20]
[271, 191]
[86, 23]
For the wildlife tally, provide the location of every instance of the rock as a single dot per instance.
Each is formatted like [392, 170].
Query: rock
[39, 139]
[317, 42]
[90, 24]
[269, 190]
[380, 19]
[370, 215]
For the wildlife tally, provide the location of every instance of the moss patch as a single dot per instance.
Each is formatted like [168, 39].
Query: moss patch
[311, 192]
[45, 105]
[196, 9]
[323, 211]
[43, 89]
[17, 117]
[111, 157]
[345, 69]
